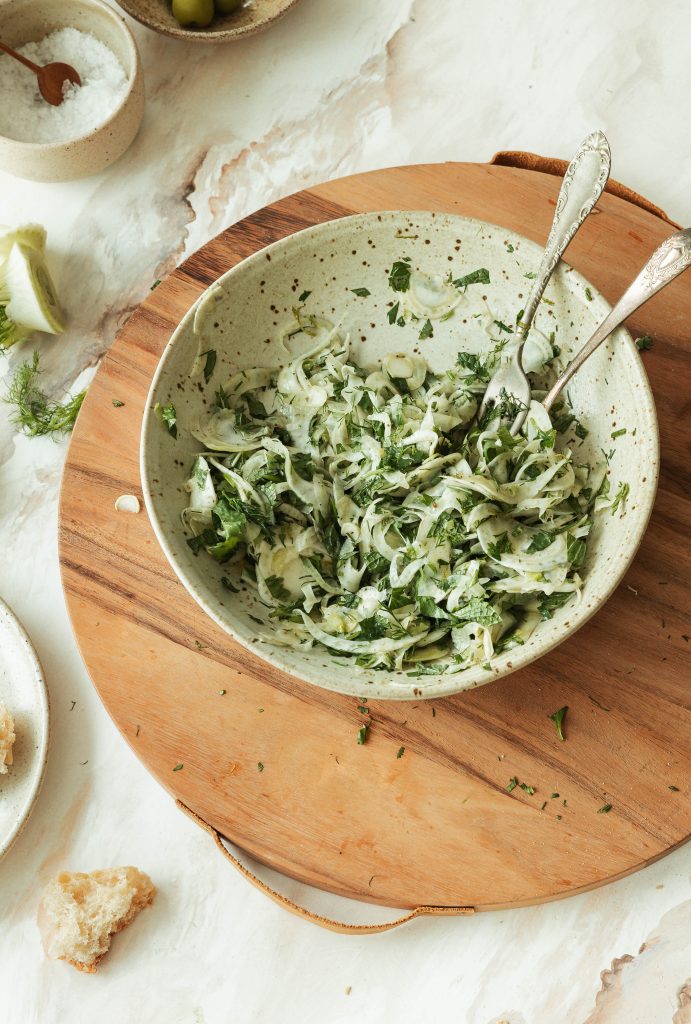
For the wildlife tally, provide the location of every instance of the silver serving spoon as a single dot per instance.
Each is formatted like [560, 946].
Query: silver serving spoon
[669, 260]
[583, 184]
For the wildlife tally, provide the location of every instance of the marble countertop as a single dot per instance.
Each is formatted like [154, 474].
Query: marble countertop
[332, 89]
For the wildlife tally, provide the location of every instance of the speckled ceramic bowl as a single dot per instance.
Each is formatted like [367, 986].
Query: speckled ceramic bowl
[23, 690]
[253, 16]
[23, 21]
[240, 317]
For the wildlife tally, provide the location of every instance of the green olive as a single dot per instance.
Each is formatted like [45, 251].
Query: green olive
[193, 13]
[227, 6]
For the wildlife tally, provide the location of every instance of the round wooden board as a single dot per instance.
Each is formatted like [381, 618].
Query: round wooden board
[436, 825]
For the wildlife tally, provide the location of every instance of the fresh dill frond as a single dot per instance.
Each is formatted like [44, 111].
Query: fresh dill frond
[34, 412]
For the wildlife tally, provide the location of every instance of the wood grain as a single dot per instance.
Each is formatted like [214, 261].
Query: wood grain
[435, 825]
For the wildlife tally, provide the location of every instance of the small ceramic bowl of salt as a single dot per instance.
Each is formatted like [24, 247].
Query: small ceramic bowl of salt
[96, 121]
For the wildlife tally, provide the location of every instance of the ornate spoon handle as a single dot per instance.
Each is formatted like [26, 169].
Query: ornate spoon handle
[672, 258]
[583, 184]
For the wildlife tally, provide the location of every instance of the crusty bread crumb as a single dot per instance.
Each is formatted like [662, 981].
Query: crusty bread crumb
[7, 738]
[79, 913]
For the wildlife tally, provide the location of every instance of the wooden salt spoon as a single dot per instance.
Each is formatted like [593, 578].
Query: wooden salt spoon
[51, 77]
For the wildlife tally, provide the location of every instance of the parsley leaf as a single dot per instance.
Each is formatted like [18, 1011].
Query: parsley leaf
[558, 719]
[362, 293]
[477, 610]
[399, 276]
[480, 276]
[644, 343]
[167, 416]
[540, 541]
[209, 364]
[393, 313]
[426, 331]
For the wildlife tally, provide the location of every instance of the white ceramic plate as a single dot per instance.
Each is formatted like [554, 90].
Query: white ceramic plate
[240, 317]
[23, 690]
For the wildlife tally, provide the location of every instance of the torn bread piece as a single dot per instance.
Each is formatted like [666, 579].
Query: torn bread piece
[79, 913]
[7, 738]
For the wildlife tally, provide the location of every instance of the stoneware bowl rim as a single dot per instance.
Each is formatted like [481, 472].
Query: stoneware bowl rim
[23, 647]
[134, 74]
[152, 435]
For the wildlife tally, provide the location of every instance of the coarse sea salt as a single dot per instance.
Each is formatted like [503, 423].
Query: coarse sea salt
[25, 115]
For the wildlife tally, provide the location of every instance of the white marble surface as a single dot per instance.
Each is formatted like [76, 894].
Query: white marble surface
[336, 87]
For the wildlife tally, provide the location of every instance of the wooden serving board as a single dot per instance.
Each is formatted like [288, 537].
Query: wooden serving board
[435, 825]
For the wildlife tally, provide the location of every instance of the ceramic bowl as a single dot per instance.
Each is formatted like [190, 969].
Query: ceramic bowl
[23, 690]
[248, 19]
[26, 21]
[240, 317]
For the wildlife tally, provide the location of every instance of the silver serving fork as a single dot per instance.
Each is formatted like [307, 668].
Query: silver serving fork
[583, 184]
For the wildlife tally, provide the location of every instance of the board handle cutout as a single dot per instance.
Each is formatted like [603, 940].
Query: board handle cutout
[551, 165]
[308, 915]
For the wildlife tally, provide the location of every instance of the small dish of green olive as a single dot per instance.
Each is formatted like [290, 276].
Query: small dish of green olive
[206, 21]
[200, 13]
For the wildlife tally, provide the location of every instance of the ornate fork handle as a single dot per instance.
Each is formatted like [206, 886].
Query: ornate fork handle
[584, 181]
[669, 260]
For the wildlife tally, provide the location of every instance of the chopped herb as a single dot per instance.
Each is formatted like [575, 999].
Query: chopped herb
[199, 645]
[480, 276]
[304, 296]
[178, 767]
[399, 277]
[401, 752]
[222, 693]
[675, 789]
[509, 247]
[558, 719]
[513, 782]
[361, 292]
[260, 766]
[551, 602]
[618, 433]
[155, 284]
[597, 704]
[209, 364]
[255, 619]
[34, 413]
[589, 295]
[362, 709]
[225, 582]
[502, 326]
[426, 331]
[434, 712]
[477, 610]
[362, 734]
[167, 416]
[543, 806]
[539, 541]
[575, 551]
[558, 817]
[605, 809]
[531, 275]
[276, 589]
[117, 403]
[554, 796]
[644, 343]
[620, 499]
[530, 790]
